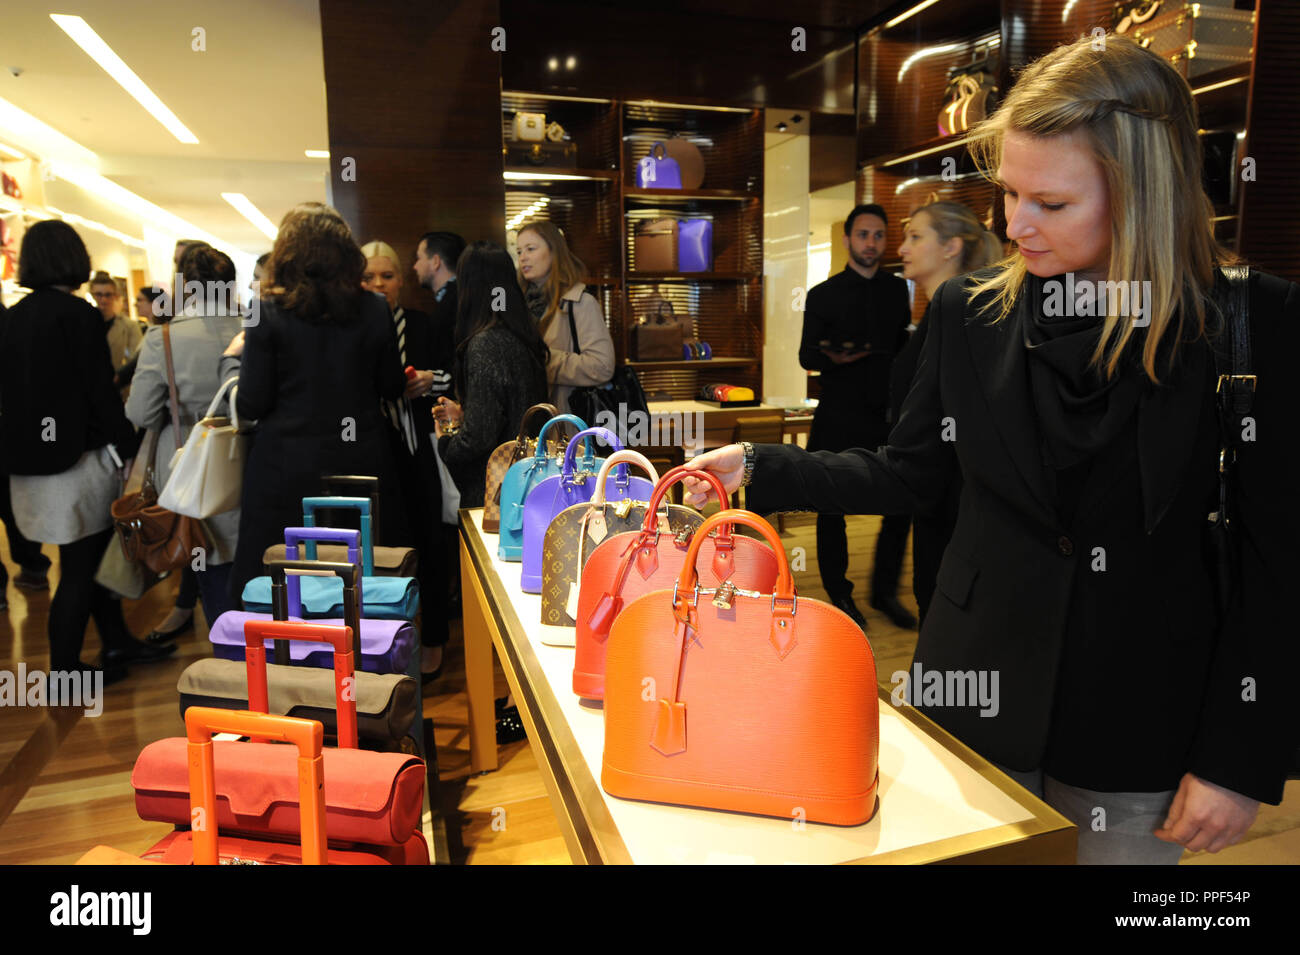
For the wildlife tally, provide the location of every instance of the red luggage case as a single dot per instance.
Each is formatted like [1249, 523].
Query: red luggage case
[373, 801]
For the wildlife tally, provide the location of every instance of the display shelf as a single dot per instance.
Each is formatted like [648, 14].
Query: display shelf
[527, 175]
[693, 276]
[691, 364]
[660, 196]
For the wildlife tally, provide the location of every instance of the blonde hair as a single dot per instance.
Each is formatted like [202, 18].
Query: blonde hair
[952, 220]
[1137, 117]
[381, 250]
[567, 269]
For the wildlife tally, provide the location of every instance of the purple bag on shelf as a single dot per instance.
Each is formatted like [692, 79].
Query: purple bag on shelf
[695, 245]
[658, 170]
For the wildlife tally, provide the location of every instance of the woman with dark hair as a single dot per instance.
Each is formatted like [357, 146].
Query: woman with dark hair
[1082, 577]
[64, 436]
[201, 328]
[500, 369]
[318, 354]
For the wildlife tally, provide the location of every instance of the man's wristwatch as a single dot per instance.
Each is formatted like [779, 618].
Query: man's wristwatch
[748, 474]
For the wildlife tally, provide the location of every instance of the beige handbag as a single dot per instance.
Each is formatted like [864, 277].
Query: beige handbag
[574, 533]
[208, 472]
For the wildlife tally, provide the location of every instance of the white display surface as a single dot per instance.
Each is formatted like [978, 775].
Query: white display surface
[926, 792]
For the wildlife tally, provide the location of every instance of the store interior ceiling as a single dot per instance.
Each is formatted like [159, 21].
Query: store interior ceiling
[245, 76]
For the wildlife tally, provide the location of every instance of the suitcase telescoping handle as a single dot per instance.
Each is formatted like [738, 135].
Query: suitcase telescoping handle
[280, 569]
[293, 536]
[356, 485]
[310, 505]
[340, 638]
[308, 735]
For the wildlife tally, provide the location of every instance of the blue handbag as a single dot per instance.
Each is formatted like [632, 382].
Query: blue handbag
[571, 486]
[658, 170]
[695, 245]
[522, 477]
[383, 598]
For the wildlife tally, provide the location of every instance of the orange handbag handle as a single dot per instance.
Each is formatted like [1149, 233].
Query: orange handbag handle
[340, 638]
[675, 476]
[308, 735]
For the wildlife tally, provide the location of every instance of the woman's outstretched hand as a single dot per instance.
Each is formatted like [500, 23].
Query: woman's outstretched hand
[727, 464]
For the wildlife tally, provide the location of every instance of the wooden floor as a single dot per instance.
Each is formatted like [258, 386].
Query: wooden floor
[65, 778]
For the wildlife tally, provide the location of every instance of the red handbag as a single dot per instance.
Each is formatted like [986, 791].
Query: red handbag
[768, 705]
[373, 801]
[627, 565]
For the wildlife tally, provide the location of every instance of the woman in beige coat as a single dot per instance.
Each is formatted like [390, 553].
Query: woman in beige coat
[199, 333]
[553, 281]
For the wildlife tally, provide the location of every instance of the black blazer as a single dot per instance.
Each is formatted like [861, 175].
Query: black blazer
[314, 390]
[54, 368]
[1114, 679]
[429, 347]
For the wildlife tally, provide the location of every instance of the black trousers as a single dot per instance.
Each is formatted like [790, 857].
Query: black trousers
[78, 598]
[890, 547]
[422, 490]
[838, 429]
[26, 554]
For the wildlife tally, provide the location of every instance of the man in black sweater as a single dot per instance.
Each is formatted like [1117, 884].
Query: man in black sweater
[854, 323]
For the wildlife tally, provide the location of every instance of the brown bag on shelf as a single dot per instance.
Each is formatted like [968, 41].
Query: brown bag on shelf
[655, 246]
[154, 537]
[689, 160]
[659, 334]
[507, 454]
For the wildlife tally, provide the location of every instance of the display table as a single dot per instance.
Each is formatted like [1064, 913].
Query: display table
[940, 801]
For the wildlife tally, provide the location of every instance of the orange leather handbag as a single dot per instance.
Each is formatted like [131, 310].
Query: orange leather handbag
[627, 565]
[766, 706]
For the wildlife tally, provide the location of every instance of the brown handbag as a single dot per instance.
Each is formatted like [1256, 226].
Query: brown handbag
[505, 455]
[655, 246]
[689, 160]
[659, 334]
[152, 536]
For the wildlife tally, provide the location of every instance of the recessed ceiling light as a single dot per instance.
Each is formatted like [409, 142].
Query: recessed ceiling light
[317, 153]
[250, 212]
[99, 51]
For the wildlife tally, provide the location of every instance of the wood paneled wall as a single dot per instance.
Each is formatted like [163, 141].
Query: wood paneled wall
[414, 99]
[1270, 206]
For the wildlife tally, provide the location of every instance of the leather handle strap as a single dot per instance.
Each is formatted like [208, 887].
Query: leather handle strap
[589, 452]
[675, 476]
[689, 576]
[171, 384]
[570, 419]
[621, 457]
[548, 409]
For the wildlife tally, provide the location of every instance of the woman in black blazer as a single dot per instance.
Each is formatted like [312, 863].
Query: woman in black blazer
[318, 355]
[1079, 574]
[64, 436]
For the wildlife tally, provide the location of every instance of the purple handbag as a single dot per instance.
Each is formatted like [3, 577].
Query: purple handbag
[385, 646]
[695, 245]
[567, 488]
[658, 170]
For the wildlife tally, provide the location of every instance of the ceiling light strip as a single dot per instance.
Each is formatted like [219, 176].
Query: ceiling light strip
[244, 206]
[112, 64]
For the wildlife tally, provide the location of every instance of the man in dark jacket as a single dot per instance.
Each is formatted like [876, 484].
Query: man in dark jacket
[854, 323]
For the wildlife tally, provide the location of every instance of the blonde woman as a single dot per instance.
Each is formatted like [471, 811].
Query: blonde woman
[940, 241]
[552, 278]
[1079, 587]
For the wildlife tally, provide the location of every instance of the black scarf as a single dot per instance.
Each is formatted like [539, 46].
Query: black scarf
[1079, 412]
[536, 298]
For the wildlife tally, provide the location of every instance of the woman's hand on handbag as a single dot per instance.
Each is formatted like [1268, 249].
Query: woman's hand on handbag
[1204, 816]
[236, 347]
[727, 464]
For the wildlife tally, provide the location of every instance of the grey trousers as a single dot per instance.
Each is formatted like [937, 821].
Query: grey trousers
[1114, 828]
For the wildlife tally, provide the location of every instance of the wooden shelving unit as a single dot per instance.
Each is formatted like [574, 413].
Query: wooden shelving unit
[902, 75]
[599, 207]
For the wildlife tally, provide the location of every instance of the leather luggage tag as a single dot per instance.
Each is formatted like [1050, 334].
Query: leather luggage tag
[571, 605]
[596, 529]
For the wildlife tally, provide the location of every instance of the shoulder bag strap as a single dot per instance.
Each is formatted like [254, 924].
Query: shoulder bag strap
[171, 384]
[573, 327]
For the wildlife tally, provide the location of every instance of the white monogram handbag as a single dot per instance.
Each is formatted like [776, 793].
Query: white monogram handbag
[208, 472]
